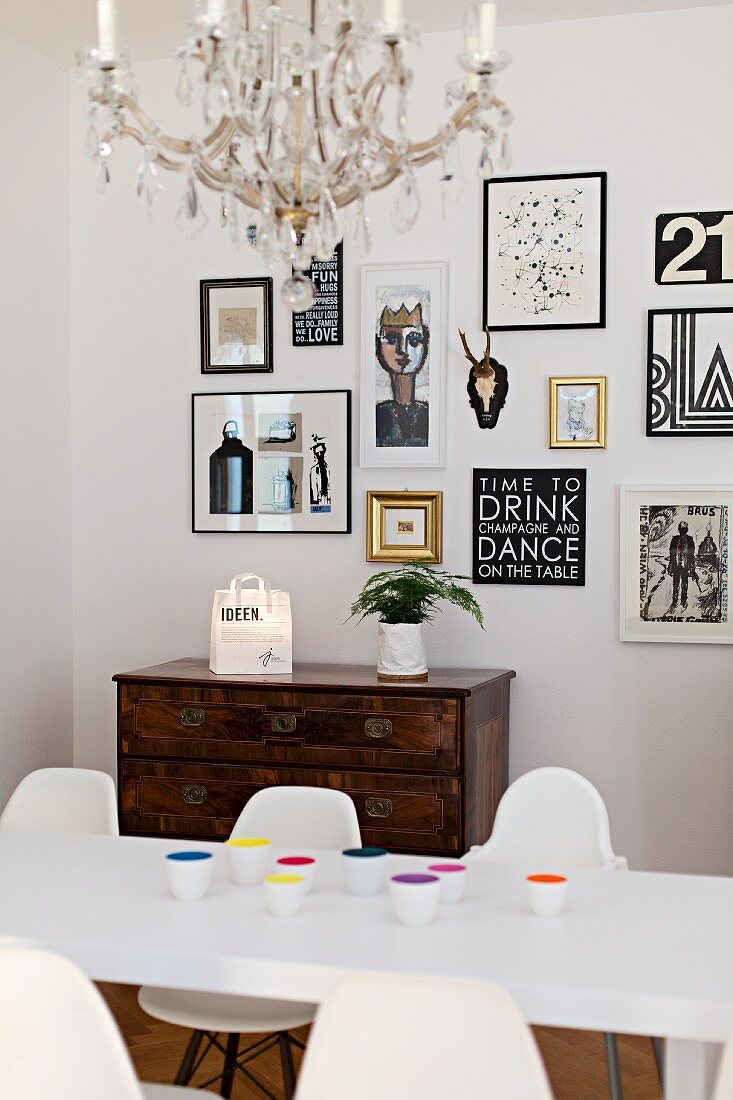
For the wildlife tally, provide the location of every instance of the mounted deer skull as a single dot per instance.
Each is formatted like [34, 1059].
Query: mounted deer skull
[488, 384]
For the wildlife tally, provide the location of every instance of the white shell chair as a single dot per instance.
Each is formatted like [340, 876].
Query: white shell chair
[64, 800]
[308, 817]
[420, 1039]
[554, 817]
[724, 1082]
[58, 1038]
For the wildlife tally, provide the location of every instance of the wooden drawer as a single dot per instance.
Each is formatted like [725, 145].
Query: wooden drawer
[282, 727]
[401, 812]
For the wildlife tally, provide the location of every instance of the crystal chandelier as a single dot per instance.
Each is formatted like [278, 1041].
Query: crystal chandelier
[297, 129]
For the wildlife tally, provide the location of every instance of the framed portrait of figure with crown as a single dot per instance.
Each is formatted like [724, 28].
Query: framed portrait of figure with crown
[403, 333]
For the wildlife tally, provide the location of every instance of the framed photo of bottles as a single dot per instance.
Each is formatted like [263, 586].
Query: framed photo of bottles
[274, 461]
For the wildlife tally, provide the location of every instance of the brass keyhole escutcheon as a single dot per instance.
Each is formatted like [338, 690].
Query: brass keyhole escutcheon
[378, 728]
[192, 716]
[195, 794]
[378, 807]
[283, 723]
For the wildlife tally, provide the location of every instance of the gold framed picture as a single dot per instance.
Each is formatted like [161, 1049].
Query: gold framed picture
[577, 412]
[404, 526]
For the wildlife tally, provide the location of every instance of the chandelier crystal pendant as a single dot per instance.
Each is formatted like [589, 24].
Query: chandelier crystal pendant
[297, 129]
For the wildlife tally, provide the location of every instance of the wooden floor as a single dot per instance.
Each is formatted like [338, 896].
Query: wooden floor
[575, 1059]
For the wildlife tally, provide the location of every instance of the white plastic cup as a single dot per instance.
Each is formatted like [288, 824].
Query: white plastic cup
[305, 866]
[415, 898]
[547, 894]
[247, 859]
[284, 894]
[189, 874]
[452, 881]
[365, 870]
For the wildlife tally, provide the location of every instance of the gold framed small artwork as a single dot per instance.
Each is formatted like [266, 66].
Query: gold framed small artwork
[577, 412]
[404, 526]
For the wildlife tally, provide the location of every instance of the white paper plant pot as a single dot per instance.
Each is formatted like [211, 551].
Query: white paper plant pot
[401, 650]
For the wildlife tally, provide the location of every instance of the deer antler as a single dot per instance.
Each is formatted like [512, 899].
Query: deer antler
[467, 350]
[487, 356]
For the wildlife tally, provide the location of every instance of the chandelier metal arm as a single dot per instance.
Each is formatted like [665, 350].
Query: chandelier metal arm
[296, 128]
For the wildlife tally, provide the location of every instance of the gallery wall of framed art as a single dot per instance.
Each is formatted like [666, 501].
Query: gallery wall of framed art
[135, 366]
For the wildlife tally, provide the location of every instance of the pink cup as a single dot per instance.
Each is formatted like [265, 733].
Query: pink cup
[452, 881]
[299, 865]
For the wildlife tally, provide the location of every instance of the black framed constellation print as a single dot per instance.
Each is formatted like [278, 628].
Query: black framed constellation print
[545, 251]
[694, 248]
[689, 382]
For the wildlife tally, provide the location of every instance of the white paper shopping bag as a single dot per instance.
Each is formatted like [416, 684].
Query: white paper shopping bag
[251, 629]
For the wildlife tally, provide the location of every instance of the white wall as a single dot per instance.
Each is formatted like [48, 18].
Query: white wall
[641, 97]
[35, 532]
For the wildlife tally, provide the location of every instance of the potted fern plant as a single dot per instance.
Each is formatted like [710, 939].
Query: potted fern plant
[404, 599]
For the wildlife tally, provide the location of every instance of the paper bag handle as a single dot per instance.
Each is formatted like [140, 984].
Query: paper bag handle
[237, 584]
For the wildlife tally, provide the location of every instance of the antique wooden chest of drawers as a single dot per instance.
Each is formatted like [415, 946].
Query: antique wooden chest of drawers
[424, 763]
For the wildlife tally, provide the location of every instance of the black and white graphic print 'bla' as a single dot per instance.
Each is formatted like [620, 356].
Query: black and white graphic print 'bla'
[689, 383]
[540, 243]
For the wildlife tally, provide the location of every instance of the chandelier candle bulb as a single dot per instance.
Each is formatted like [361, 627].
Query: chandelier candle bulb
[392, 16]
[216, 10]
[486, 28]
[107, 29]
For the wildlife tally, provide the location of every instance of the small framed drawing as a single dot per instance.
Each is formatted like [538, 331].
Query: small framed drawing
[675, 563]
[577, 412]
[404, 526]
[236, 326]
[545, 251]
[272, 461]
[403, 336]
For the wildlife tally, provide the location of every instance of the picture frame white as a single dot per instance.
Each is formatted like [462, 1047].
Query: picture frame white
[667, 593]
[271, 461]
[402, 406]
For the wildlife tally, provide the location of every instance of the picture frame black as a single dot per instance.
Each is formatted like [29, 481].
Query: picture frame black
[240, 296]
[269, 522]
[695, 402]
[489, 314]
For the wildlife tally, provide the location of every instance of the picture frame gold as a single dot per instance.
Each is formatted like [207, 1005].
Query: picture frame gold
[589, 426]
[419, 514]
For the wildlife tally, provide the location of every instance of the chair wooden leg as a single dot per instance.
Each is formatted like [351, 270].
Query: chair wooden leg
[614, 1071]
[658, 1048]
[230, 1065]
[185, 1070]
[286, 1057]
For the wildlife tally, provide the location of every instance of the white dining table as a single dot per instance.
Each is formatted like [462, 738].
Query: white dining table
[637, 953]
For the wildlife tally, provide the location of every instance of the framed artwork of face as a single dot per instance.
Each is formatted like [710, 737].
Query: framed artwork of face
[403, 364]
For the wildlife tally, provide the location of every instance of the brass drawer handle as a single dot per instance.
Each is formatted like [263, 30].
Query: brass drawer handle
[378, 728]
[378, 807]
[283, 723]
[195, 794]
[192, 716]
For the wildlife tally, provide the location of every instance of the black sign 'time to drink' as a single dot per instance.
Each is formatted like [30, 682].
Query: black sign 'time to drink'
[529, 527]
[322, 325]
